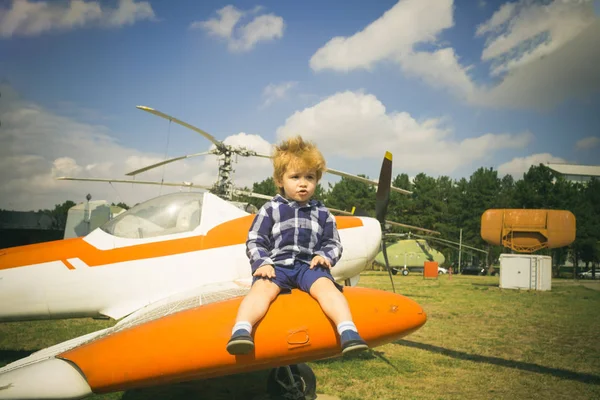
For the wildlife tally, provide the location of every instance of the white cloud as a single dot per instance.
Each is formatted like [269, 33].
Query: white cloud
[392, 36]
[587, 143]
[534, 31]
[440, 69]
[273, 92]
[528, 45]
[222, 26]
[261, 28]
[570, 72]
[129, 12]
[518, 166]
[37, 145]
[357, 125]
[29, 18]
[499, 18]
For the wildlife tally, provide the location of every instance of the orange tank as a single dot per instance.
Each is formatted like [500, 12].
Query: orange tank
[191, 344]
[527, 231]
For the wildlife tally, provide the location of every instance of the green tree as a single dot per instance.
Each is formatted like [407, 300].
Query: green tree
[427, 206]
[59, 214]
[348, 193]
[399, 203]
[536, 188]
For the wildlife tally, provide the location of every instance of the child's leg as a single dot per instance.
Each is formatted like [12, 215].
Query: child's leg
[253, 307]
[335, 306]
[256, 303]
[331, 300]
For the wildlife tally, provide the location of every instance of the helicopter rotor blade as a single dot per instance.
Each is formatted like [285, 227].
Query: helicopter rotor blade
[182, 123]
[240, 192]
[175, 184]
[364, 180]
[335, 210]
[416, 228]
[149, 167]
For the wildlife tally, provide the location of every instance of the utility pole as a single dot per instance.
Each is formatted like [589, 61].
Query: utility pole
[86, 213]
[459, 250]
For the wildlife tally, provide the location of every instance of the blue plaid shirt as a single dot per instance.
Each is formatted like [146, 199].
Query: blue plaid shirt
[284, 232]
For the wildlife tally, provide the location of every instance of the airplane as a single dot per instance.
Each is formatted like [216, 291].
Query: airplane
[172, 271]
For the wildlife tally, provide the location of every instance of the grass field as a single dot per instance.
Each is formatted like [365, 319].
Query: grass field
[480, 342]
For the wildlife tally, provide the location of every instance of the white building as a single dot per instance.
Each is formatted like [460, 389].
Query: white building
[576, 173]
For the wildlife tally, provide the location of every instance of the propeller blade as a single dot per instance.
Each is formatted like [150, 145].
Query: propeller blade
[383, 188]
[387, 264]
[359, 212]
[381, 204]
[149, 167]
[182, 123]
[177, 184]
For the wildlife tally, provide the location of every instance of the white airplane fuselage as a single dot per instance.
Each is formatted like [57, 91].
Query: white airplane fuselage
[104, 275]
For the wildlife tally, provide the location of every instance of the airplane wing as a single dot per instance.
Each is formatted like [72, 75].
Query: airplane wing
[49, 370]
[175, 340]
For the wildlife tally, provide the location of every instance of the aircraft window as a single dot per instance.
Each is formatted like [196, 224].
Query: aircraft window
[164, 215]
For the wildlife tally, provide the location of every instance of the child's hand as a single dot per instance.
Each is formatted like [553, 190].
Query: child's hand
[320, 260]
[266, 271]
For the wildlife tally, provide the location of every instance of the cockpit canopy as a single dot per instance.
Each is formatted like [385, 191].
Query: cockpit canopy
[164, 215]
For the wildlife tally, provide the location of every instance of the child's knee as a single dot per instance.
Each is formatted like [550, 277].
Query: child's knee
[264, 288]
[323, 286]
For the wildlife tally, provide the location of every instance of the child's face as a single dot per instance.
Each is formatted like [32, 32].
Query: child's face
[299, 183]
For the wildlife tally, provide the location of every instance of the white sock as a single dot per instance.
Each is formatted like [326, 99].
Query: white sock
[242, 325]
[346, 325]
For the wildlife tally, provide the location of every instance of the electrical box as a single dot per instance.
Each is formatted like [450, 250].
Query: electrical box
[525, 271]
[430, 269]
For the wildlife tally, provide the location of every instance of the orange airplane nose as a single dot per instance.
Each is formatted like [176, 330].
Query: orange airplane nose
[382, 317]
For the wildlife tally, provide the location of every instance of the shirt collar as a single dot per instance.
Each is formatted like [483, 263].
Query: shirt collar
[294, 204]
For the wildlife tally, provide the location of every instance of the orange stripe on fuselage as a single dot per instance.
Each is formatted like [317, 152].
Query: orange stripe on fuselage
[227, 234]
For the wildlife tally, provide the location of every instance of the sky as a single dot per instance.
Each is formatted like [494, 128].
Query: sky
[446, 86]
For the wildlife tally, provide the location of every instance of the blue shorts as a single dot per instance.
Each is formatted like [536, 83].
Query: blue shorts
[299, 276]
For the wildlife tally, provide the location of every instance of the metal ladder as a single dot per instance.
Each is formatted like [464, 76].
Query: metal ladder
[534, 274]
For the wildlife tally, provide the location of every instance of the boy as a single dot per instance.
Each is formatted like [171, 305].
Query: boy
[292, 243]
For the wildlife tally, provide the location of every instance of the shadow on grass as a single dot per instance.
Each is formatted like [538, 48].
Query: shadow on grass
[8, 356]
[361, 356]
[243, 387]
[540, 369]
[423, 296]
[485, 284]
[379, 355]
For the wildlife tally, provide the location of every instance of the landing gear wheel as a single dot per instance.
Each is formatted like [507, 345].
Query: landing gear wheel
[404, 272]
[394, 271]
[297, 382]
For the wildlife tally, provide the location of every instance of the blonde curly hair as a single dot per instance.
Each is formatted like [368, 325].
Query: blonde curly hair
[295, 152]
